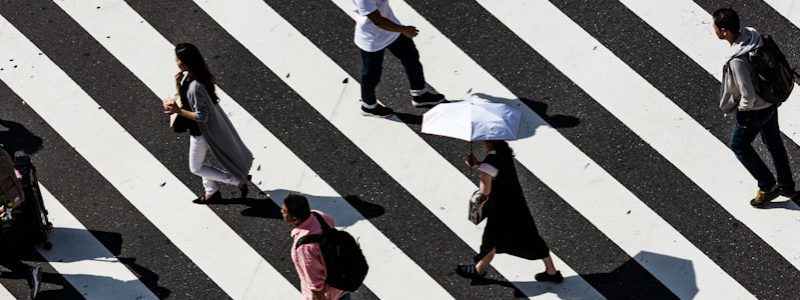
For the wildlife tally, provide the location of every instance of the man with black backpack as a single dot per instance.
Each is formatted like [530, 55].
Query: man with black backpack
[755, 80]
[329, 262]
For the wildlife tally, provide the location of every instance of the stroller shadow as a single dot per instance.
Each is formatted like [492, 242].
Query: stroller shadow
[16, 138]
[112, 241]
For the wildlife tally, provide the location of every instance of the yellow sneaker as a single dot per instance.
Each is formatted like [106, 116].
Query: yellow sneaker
[763, 198]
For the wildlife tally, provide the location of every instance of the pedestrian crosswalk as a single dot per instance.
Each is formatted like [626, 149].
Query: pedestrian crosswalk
[639, 196]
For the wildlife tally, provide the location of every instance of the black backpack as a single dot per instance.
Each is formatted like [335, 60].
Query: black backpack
[773, 77]
[344, 260]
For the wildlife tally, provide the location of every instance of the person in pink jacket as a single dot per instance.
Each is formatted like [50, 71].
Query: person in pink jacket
[307, 258]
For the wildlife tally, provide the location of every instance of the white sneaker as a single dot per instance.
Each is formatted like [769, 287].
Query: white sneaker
[36, 275]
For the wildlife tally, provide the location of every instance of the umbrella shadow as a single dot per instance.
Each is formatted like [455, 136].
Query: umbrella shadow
[15, 137]
[532, 121]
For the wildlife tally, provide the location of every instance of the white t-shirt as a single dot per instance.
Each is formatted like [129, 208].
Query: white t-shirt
[370, 37]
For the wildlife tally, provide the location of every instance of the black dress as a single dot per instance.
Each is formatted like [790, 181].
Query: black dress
[509, 224]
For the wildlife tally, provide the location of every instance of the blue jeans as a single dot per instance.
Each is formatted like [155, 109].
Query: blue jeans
[372, 66]
[764, 122]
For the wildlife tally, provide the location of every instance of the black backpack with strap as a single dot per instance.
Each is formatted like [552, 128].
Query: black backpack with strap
[773, 76]
[344, 261]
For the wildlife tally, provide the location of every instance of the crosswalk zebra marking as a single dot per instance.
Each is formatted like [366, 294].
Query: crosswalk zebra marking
[5, 294]
[145, 61]
[333, 109]
[688, 26]
[83, 261]
[691, 34]
[552, 166]
[637, 104]
[377, 138]
[788, 8]
[136, 174]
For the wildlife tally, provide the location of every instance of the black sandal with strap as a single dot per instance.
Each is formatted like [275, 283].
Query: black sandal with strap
[217, 196]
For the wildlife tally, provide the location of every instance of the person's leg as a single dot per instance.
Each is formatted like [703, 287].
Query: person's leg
[548, 265]
[404, 49]
[771, 137]
[744, 132]
[371, 69]
[198, 165]
[483, 264]
[550, 274]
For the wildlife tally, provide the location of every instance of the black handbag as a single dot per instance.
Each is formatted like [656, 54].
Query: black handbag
[477, 207]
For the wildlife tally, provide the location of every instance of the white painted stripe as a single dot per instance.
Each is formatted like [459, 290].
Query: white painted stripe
[563, 167]
[5, 294]
[688, 26]
[393, 146]
[83, 261]
[135, 173]
[788, 8]
[641, 107]
[150, 57]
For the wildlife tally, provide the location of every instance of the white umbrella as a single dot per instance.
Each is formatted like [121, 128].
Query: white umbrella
[474, 119]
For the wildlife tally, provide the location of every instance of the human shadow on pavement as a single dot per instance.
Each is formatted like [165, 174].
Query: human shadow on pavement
[615, 284]
[409, 119]
[789, 203]
[14, 137]
[345, 211]
[256, 207]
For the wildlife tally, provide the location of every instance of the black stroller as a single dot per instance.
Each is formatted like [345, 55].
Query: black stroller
[21, 199]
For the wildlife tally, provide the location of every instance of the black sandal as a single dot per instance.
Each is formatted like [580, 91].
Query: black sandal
[544, 277]
[469, 271]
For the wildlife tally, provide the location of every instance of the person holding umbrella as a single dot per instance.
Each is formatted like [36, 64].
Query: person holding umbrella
[510, 227]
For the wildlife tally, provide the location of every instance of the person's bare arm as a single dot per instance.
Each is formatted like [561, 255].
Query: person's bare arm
[388, 25]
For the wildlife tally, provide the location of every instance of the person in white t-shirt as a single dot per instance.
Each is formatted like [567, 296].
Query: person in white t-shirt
[377, 29]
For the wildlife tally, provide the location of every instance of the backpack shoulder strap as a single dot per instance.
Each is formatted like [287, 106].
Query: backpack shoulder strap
[308, 239]
[322, 223]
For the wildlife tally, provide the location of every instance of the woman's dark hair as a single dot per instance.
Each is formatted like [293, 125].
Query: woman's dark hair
[502, 148]
[726, 18]
[297, 206]
[194, 61]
